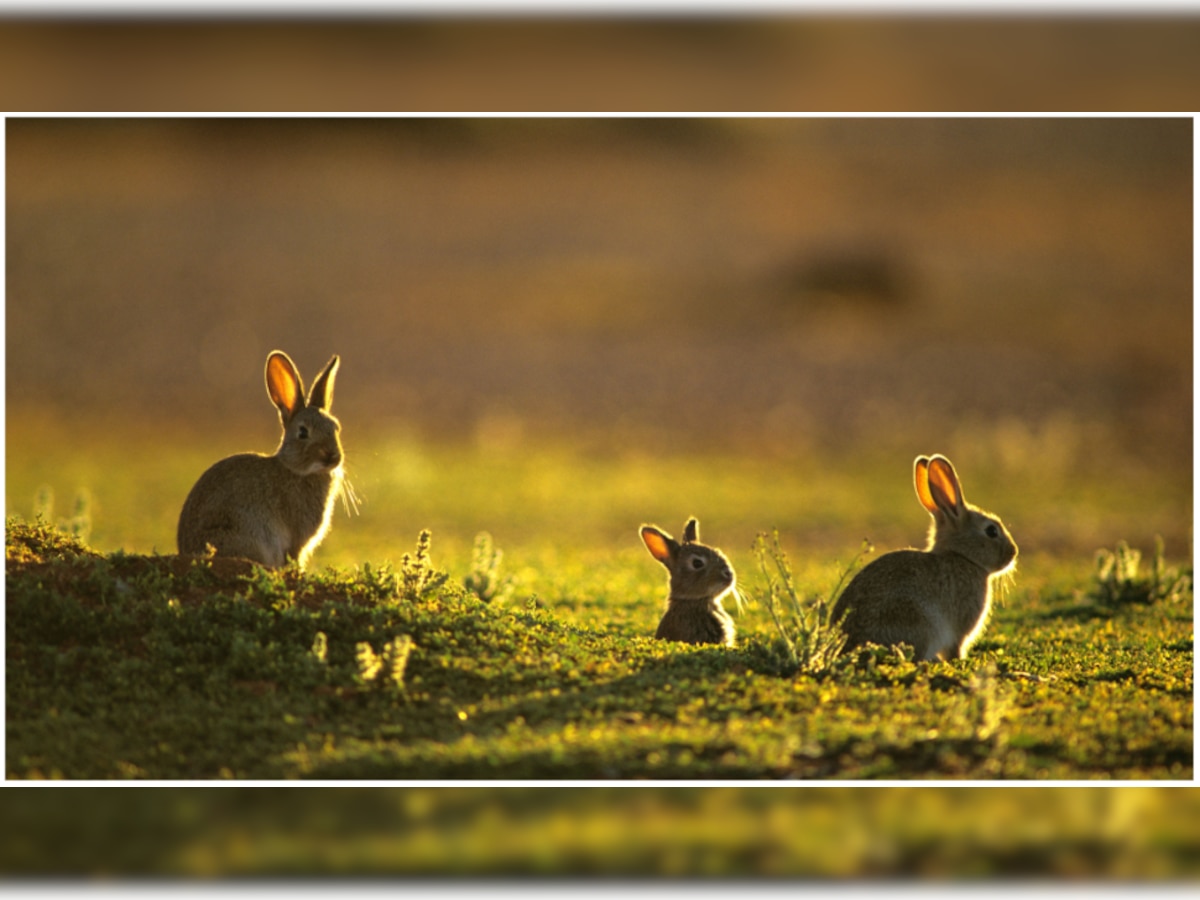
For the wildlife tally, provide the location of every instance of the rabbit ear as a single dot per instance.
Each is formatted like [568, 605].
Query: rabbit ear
[944, 487]
[322, 390]
[921, 481]
[661, 545]
[691, 531]
[284, 384]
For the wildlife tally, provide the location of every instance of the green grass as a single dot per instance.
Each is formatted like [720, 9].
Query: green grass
[124, 662]
[540, 498]
[125, 666]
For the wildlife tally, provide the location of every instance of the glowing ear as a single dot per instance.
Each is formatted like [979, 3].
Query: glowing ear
[660, 544]
[921, 482]
[284, 385]
[321, 395]
[944, 486]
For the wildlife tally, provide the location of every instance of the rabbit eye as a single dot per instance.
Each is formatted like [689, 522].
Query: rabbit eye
[992, 531]
[697, 563]
[302, 432]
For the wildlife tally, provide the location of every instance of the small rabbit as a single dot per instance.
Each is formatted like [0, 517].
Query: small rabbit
[937, 599]
[271, 509]
[700, 576]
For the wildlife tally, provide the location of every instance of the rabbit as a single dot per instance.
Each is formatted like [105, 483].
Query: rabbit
[272, 509]
[937, 599]
[700, 576]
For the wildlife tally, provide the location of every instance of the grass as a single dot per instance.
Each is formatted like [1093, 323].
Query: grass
[812, 639]
[488, 615]
[542, 494]
[126, 666]
[1118, 580]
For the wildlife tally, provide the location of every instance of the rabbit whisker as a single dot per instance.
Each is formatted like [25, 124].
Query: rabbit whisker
[1003, 583]
[737, 599]
[349, 498]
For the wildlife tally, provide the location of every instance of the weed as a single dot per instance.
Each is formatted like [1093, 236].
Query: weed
[391, 661]
[320, 648]
[39, 540]
[269, 586]
[43, 504]
[812, 640]
[991, 706]
[78, 524]
[484, 579]
[418, 577]
[380, 582]
[1117, 580]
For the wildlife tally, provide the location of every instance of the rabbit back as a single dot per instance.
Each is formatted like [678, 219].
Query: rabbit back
[255, 507]
[699, 576]
[937, 600]
[696, 622]
[938, 604]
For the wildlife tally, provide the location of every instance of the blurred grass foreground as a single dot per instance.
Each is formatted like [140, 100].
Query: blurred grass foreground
[897, 833]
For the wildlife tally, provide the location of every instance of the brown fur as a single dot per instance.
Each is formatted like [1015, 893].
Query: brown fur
[699, 577]
[938, 599]
[271, 509]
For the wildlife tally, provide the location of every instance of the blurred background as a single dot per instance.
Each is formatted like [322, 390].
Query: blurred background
[947, 57]
[814, 294]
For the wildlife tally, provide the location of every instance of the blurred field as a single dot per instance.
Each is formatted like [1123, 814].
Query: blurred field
[712, 57]
[1130, 836]
[532, 312]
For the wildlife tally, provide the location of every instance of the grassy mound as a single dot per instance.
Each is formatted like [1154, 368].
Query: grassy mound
[164, 667]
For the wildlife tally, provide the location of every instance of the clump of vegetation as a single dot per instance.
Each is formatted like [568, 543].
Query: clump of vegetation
[390, 662]
[418, 577]
[484, 579]
[40, 541]
[168, 667]
[811, 639]
[78, 524]
[1119, 579]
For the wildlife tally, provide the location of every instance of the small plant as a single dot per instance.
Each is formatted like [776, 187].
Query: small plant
[391, 661]
[267, 587]
[395, 654]
[43, 504]
[417, 574]
[78, 524]
[991, 705]
[39, 540]
[320, 648]
[484, 580]
[812, 640]
[1118, 580]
